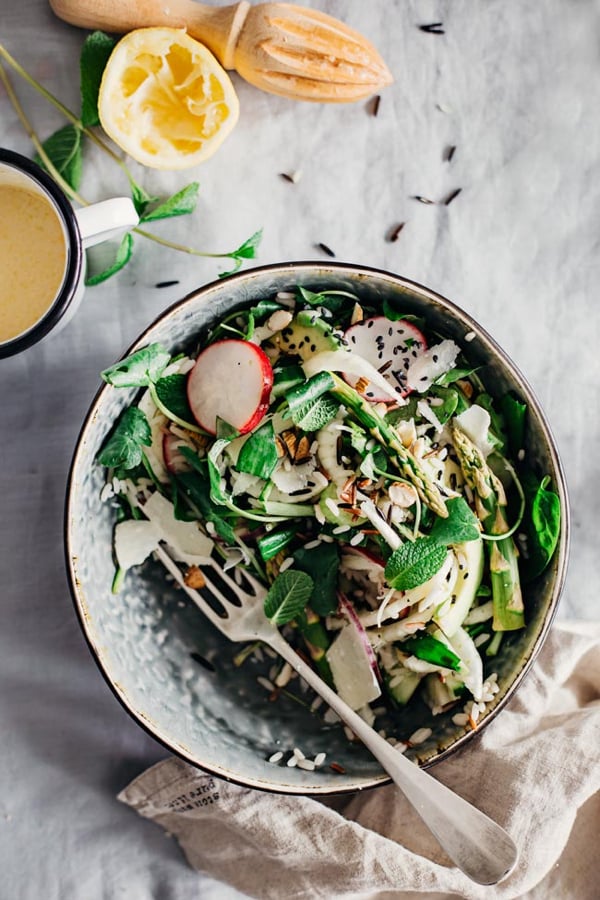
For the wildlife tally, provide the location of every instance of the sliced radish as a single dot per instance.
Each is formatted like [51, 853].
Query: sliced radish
[174, 459]
[391, 347]
[232, 381]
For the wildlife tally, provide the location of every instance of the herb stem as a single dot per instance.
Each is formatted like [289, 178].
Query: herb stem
[75, 120]
[174, 246]
[36, 141]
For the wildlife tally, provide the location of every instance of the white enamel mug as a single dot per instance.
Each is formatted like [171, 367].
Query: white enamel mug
[29, 308]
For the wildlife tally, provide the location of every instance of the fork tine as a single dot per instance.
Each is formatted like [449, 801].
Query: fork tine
[193, 594]
[256, 586]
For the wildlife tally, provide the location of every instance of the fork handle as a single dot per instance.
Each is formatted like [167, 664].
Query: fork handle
[478, 846]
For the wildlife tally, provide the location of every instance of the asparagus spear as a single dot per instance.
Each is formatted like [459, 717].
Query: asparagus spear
[490, 505]
[386, 435]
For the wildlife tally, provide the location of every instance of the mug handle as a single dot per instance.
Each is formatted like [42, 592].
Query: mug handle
[105, 220]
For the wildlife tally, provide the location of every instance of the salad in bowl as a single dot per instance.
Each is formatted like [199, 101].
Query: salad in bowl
[351, 457]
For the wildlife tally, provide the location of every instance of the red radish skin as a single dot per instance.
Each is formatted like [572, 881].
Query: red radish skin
[348, 611]
[231, 380]
[390, 347]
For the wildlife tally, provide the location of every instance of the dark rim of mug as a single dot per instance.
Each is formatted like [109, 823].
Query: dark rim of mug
[74, 255]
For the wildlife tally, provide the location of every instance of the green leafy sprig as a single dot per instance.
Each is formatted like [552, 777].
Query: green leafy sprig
[62, 155]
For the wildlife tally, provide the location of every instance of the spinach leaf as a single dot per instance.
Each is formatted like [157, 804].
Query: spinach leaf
[95, 52]
[140, 369]
[453, 375]
[542, 524]
[287, 596]
[426, 647]
[462, 524]
[195, 485]
[258, 455]
[124, 446]
[171, 391]
[64, 150]
[270, 544]
[334, 301]
[514, 419]
[414, 562]
[450, 399]
[322, 564]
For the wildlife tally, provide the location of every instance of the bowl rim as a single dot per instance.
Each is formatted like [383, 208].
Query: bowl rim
[562, 550]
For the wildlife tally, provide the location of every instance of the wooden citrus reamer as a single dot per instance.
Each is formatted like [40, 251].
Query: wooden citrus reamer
[284, 49]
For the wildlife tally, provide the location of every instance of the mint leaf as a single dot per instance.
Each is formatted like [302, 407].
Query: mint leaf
[141, 198]
[287, 596]
[414, 563]
[143, 367]
[248, 249]
[171, 391]
[258, 455]
[180, 204]
[121, 259]
[95, 52]
[462, 524]
[64, 150]
[124, 446]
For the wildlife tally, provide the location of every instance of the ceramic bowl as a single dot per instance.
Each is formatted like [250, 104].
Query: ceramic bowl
[152, 644]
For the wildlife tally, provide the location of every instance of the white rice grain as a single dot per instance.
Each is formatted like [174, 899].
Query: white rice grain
[289, 561]
[276, 757]
[307, 764]
[419, 736]
[320, 759]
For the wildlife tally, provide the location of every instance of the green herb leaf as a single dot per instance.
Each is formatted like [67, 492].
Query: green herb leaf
[514, 420]
[95, 52]
[334, 301]
[322, 564]
[315, 414]
[124, 446]
[180, 204]
[449, 398]
[195, 486]
[269, 545]
[64, 150]
[309, 391]
[122, 257]
[542, 525]
[426, 647]
[141, 198]
[399, 315]
[414, 563]
[287, 596]
[171, 391]
[246, 251]
[143, 367]
[258, 455]
[462, 524]
[453, 375]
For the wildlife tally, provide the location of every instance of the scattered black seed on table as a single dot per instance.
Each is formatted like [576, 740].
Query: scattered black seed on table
[452, 196]
[449, 153]
[394, 233]
[164, 284]
[286, 177]
[375, 104]
[432, 28]
[425, 200]
[325, 249]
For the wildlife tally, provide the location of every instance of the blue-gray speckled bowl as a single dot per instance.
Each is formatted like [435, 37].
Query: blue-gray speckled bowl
[145, 639]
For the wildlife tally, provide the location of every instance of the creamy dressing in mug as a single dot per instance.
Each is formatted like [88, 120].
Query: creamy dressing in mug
[33, 258]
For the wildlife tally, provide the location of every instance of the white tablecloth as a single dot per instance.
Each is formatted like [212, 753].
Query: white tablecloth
[515, 88]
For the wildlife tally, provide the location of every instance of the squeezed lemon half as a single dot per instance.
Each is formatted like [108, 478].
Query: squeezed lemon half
[165, 100]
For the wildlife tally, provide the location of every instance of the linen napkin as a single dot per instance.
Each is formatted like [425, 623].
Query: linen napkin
[535, 770]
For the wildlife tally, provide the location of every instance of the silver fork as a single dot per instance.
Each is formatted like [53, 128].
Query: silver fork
[478, 846]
